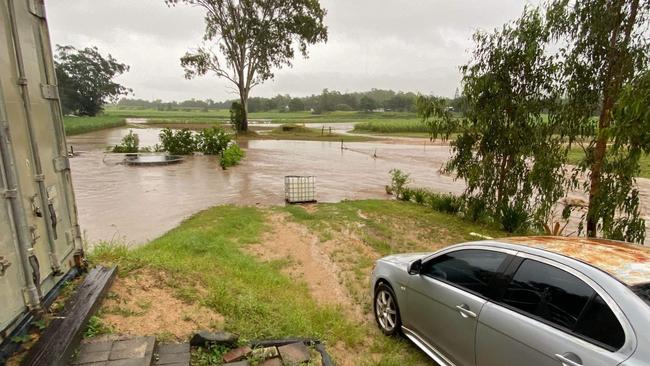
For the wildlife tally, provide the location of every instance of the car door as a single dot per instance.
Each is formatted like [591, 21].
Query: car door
[549, 316]
[445, 299]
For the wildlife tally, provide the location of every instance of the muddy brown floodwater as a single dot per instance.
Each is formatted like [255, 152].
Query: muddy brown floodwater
[137, 204]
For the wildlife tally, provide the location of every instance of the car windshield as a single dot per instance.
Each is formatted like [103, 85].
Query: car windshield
[643, 291]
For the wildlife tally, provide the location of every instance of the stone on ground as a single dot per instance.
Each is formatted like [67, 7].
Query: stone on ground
[271, 362]
[294, 353]
[237, 354]
[265, 353]
[204, 337]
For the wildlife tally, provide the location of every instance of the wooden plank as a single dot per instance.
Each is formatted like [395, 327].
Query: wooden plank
[59, 340]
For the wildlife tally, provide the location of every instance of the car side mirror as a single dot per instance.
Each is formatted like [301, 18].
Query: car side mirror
[415, 267]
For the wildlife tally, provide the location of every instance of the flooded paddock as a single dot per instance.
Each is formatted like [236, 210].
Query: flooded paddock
[117, 202]
[137, 204]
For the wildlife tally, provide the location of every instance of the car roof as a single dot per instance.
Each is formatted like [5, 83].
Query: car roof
[629, 263]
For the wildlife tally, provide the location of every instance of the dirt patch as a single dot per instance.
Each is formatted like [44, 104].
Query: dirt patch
[309, 262]
[142, 304]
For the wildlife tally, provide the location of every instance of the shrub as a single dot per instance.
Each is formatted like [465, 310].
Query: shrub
[445, 202]
[129, 144]
[231, 156]
[475, 209]
[419, 195]
[406, 194]
[514, 219]
[181, 142]
[212, 141]
[399, 179]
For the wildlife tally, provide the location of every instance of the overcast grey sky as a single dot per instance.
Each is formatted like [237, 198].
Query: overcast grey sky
[409, 45]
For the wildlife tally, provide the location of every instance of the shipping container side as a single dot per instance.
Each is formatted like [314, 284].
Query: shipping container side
[39, 235]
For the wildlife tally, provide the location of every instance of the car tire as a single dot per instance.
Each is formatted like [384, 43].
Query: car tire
[386, 310]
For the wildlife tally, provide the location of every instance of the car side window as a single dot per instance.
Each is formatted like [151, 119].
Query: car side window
[548, 292]
[472, 269]
[599, 323]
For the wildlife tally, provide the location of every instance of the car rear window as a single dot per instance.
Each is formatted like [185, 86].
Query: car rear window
[643, 291]
[548, 292]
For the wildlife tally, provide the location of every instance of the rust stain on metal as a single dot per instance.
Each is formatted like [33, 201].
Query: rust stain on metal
[629, 263]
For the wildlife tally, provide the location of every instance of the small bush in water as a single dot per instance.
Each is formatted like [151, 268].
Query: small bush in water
[399, 179]
[406, 194]
[212, 141]
[231, 156]
[181, 142]
[129, 144]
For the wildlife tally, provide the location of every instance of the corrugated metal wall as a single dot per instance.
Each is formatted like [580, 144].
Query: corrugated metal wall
[39, 234]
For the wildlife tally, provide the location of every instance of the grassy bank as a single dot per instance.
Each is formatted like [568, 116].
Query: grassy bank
[223, 116]
[298, 132]
[210, 260]
[577, 154]
[77, 125]
[392, 127]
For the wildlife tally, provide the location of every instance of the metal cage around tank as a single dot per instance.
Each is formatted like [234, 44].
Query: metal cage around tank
[299, 189]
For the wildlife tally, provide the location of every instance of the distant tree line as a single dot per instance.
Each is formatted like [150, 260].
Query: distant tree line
[326, 101]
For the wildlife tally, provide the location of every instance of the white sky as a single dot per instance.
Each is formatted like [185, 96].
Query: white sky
[409, 45]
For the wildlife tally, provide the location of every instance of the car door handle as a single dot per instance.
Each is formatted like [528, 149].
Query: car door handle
[465, 312]
[566, 361]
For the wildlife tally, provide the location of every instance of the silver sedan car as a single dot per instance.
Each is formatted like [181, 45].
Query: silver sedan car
[544, 301]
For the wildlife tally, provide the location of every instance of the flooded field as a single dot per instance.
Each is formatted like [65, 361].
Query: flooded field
[137, 204]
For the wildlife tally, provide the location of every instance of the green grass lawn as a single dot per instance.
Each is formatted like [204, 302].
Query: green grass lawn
[258, 300]
[77, 125]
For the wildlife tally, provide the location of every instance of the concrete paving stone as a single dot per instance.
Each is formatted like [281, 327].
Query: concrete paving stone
[237, 354]
[140, 347]
[271, 362]
[132, 343]
[238, 363]
[102, 363]
[137, 352]
[130, 362]
[165, 348]
[90, 357]
[173, 358]
[95, 346]
[294, 353]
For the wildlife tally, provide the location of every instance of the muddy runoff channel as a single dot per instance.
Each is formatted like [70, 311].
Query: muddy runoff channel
[121, 203]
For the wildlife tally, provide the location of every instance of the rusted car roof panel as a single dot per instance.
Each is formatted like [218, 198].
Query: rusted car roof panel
[629, 263]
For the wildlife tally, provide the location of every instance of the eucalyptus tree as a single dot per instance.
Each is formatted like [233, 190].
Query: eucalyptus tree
[507, 149]
[604, 58]
[249, 38]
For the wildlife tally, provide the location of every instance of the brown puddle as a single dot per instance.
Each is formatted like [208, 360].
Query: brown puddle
[137, 204]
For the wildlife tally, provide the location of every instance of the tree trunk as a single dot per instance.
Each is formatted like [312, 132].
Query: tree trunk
[617, 58]
[597, 165]
[243, 98]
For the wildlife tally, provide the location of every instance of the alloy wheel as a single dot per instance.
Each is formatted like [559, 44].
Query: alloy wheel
[385, 310]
